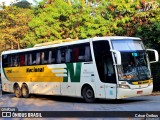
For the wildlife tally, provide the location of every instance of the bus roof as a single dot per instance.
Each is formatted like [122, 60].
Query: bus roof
[68, 42]
[116, 38]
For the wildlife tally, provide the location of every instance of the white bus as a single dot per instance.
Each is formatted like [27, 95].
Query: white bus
[100, 67]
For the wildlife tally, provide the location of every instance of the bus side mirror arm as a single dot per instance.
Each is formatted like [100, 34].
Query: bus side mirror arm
[155, 53]
[118, 57]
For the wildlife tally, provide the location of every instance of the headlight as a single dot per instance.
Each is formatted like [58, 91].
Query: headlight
[124, 86]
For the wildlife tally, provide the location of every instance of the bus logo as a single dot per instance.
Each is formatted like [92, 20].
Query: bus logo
[35, 69]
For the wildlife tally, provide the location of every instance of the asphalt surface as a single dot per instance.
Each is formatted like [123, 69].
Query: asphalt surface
[63, 103]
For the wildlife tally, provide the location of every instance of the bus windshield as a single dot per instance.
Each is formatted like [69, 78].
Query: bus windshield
[127, 45]
[134, 61]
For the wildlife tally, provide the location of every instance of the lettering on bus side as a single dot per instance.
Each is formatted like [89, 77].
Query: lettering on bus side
[74, 74]
[35, 69]
[9, 71]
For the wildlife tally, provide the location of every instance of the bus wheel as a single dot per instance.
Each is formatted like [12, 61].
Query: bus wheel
[25, 91]
[88, 94]
[17, 91]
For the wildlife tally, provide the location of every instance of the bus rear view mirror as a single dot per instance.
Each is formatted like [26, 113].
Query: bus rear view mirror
[118, 57]
[156, 56]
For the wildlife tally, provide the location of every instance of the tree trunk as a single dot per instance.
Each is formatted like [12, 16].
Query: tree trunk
[12, 45]
[69, 2]
[18, 45]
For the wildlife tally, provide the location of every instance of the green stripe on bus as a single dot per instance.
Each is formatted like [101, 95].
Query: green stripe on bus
[4, 73]
[74, 75]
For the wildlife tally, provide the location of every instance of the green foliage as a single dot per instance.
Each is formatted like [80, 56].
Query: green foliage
[13, 27]
[61, 19]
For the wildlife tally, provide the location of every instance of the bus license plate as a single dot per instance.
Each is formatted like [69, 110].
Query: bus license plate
[139, 92]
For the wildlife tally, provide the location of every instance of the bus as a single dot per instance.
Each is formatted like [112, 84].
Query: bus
[113, 67]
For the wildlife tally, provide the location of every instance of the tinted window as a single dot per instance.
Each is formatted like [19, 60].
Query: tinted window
[66, 54]
[104, 61]
[5, 61]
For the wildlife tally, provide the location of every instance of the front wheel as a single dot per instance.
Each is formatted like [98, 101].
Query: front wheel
[88, 94]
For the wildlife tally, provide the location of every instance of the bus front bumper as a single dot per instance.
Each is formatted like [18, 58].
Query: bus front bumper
[127, 93]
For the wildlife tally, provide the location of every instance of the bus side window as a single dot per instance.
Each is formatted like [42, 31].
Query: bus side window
[59, 57]
[5, 61]
[63, 55]
[33, 58]
[38, 58]
[81, 57]
[29, 57]
[87, 54]
[9, 61]
[50, 57]
[26, 59]
[54, 54]
[44, 57]
[68, 55]
[22, 60]
[15, 60]
[81, 53]
[75, 54]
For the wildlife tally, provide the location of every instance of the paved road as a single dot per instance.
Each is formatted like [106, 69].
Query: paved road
[59, 103]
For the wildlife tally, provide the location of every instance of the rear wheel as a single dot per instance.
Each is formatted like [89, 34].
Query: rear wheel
[88, 94]
[17, 91]
[25, 91]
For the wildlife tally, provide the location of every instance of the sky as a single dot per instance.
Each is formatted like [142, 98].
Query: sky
[7, 2]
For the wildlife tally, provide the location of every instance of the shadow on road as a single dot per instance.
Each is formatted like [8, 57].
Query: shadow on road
[80, 100]
[98, 101]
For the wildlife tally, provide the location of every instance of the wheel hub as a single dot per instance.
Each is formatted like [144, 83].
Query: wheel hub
[89, 94]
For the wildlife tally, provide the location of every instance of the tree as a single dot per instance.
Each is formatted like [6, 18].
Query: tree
[60, 20]
[2, 5]
[22, 4]
[13, 26]
[78, 19]
[136, 18]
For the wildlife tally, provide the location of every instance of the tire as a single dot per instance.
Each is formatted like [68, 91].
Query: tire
[25, 91]
[88, 94]
[17, 91]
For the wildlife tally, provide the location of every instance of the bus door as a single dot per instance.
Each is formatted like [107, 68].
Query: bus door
[106, 86]
[109, 77]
